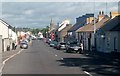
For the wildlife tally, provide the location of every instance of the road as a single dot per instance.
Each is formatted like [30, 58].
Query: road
[39, 58]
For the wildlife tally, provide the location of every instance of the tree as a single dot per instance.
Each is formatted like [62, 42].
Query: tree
[35, 31]
[45, 31]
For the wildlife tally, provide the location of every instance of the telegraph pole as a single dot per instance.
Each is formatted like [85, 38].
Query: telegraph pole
[94, 42]
[94, 20]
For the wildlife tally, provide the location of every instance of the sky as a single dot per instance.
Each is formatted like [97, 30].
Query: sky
[39, 14]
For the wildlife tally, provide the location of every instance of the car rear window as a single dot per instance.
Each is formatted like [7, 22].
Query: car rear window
[62, 43]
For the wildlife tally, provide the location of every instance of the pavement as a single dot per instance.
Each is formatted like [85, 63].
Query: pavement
[39, 58]
[7, 54]
[113, 56]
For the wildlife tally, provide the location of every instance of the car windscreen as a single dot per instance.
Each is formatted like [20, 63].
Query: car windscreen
[74, 44]
[62, 43]
[23, 43]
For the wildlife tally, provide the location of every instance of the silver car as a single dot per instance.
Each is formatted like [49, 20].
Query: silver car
[24, 45]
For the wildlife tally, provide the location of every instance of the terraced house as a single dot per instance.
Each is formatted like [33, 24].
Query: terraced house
[8, 36]
[108, 36]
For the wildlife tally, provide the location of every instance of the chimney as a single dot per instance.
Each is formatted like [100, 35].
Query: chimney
[87, 20]
[101, 15]
[114, 14]
[90, 19]
[102, 12]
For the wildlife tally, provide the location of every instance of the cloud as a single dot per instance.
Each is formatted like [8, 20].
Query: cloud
[38, 14]
[60, 0]
[29, 12]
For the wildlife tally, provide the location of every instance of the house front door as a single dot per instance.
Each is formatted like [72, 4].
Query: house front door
[89, 43]
[115, 45]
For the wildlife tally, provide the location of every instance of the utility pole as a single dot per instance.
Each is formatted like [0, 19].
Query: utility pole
[94, 42]
[94, 20]
[106, 7]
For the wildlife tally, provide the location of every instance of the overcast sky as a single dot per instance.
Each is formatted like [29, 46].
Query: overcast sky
[39, 14]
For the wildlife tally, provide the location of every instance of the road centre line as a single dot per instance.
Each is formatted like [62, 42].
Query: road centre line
[88, 73]
[56, 55]
[61, 58]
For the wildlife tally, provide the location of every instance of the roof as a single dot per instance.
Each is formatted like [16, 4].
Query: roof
[116, 28]
[64, 30]
[85, 28]
[76, 26]
[68, 26]
[90, 27]
[112, 25]
[5, 23]
[80, 22]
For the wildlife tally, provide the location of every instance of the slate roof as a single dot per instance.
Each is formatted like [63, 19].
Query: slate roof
[112, 25]
[5, 23]
[76, 26]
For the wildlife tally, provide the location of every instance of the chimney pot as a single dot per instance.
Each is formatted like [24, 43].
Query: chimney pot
[99, 13]
[110, 15]
[102, 13]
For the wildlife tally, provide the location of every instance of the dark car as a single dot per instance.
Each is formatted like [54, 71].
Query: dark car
[53, 43]
[73, 47]
[61, 45]
[48, 41]
[23, 45]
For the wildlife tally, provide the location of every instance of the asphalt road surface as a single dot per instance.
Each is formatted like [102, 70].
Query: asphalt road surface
[39, 58]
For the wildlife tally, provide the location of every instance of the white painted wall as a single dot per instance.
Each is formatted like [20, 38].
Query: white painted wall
[0, 54]
[14, 36]
[3, 30]
[63, 24]
[10, 33]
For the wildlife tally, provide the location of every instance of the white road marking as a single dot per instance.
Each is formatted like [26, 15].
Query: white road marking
[87, 73]
[12, 56]
[56, 55]
[20, 51]
[4, 62]
[86, 54]
[61, 58]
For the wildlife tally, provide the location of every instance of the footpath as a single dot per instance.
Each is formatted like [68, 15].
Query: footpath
[104, 64]
[7, 54]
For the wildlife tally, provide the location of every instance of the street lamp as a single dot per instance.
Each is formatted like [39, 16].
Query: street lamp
[103, 36]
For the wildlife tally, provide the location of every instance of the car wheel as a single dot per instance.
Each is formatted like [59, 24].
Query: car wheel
[80, 52]
[58, 48]
[68, 50]
[77, 51]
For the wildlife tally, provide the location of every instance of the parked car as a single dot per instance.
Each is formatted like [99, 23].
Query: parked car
[23, 45]
[61, 45]
[73, 47]
[48, 41]
[53, 43]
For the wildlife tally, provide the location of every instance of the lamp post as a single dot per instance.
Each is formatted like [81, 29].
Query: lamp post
[103, 36]
[94, 38]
